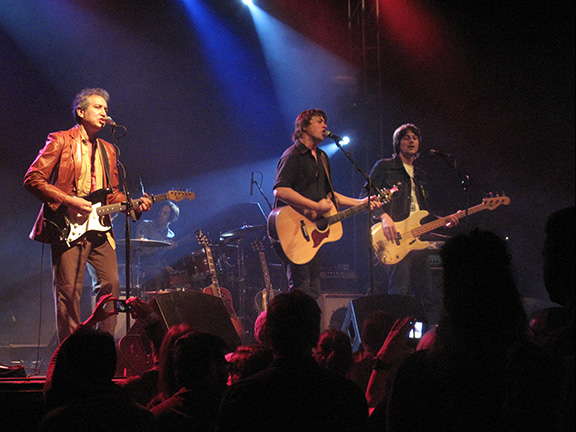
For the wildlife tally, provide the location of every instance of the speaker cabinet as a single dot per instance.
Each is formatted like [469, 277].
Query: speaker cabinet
[334, 306]
[396, 306]
[204, 312]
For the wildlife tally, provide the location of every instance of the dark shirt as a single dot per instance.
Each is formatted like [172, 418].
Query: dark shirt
[387, 173]
[474, 391]
[187, 410]
[293, 395]
[298, 169]
[106, 409]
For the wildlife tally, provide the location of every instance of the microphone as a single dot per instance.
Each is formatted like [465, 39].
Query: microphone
[439, 154]
[329, 134]
[252, 183]
[109, 121]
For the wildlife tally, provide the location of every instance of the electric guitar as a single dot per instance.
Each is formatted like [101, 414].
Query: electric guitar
[67, 230]
[267, 294]
[300, 238]
[214, 288]
[409, 231]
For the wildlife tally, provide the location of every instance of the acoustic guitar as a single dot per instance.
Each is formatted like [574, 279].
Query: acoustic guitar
[215, 289]
[300, 238]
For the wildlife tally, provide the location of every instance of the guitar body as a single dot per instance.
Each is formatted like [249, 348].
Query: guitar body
[300, 238]
[215, 289]
[392, 252]
[226, 298]
[409, 231]
[64, 229]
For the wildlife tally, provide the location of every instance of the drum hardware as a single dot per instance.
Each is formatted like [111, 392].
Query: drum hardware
[237, 236]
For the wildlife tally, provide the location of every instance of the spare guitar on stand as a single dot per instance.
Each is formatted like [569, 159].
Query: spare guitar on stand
[215, 289]
[264, 297]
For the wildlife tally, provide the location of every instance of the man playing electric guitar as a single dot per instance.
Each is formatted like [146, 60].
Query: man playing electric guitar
[412, 275]
[303, 182]
[73, 164]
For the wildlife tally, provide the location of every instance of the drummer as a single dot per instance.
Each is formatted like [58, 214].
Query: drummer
[155, 267]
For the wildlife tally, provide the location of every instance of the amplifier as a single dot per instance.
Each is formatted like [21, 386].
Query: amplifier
[338, 279]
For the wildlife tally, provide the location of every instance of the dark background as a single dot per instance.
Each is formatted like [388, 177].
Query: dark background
[491, 83]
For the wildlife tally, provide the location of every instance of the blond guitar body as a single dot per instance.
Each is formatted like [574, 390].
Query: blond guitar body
[393, 251]
[297, 238]
[300, 237]
[409, 231]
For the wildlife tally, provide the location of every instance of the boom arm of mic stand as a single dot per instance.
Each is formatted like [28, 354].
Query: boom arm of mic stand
[263, 195]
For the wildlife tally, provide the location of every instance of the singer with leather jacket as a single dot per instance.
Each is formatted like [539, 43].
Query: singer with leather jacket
[73, 165]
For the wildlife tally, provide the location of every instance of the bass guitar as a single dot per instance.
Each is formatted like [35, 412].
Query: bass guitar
[214, 289]
[67, 230]
[267, 294]
[409, 231]
[300, 238]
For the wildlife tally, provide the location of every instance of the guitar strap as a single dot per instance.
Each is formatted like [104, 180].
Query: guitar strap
[106, 163]
[325, 164]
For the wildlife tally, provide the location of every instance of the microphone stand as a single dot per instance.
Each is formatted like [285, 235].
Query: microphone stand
[369, 187]
[254, 182]
[466, 183]
[127, 232]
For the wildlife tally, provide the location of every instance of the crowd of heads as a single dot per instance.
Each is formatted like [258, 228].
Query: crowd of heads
[481, 304]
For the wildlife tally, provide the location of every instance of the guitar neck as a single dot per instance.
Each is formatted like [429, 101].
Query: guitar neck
[265, 272]
[212, 269]
[430, 226]
[386, 197]
[345, 214]
[120, 207]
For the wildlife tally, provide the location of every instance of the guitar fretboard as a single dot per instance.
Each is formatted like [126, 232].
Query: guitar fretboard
[387, 196]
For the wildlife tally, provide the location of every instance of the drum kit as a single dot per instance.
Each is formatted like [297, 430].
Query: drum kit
[191, 271]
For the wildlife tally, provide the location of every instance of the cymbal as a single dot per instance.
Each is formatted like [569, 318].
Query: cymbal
[142, 242]
[240, 232]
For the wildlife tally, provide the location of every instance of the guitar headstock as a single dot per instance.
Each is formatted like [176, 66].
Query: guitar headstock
[179, 195]
[202, 238]
[257, 246]
[493, 202]
[386, 195]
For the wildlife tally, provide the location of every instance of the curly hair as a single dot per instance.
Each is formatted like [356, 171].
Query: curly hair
[81, 100]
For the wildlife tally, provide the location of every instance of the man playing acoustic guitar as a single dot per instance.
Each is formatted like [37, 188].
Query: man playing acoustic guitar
[411, 276]
[72, 165]
[303, 182]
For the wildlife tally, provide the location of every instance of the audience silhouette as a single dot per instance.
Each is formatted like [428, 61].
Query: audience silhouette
[200, 373]
[481, 373]
[558, 269]
[334, 351]
[81, 393]
[294, 393]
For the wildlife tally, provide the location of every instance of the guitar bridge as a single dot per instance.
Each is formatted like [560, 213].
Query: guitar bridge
[304, 230]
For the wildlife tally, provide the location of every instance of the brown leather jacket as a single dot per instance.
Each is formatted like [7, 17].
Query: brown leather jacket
[54, 175]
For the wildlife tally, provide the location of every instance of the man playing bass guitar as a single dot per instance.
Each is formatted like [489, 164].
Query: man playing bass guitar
[411, 276]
